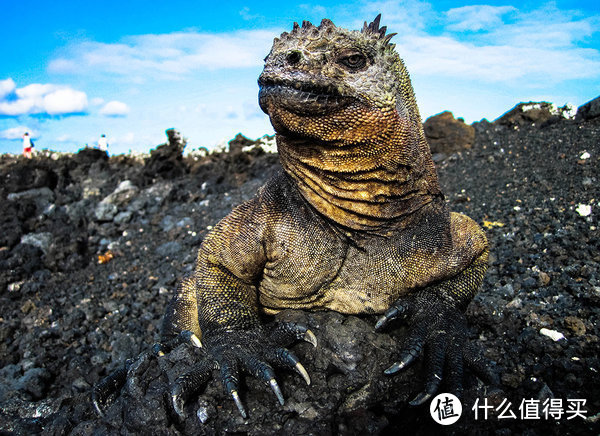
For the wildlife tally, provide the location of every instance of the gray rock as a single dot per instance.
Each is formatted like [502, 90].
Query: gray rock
[123, 217]
[40, 240]
[41, 196]
[167, 223]
[539, 113]
[105, 211]
[169, 249]
[123, 194]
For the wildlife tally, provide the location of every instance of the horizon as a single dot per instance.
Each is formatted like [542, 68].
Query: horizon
[74, 71]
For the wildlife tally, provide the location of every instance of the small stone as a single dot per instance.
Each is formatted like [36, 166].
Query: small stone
[576, 325]
[584, 209]
[515, 303]
[105, 211]
[16, 286]
[123, 194]
[553, 334]
[543, 278]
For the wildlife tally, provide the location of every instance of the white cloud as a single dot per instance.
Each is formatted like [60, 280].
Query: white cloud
[536, 47]
[445, 56]
[42, 99]
[114, 109]
[404, 17]
[65, 101]
[17, 132]
[7, 87]
[171, 55]
[476, 17]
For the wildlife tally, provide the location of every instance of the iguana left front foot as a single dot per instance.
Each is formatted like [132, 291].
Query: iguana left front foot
[439, 331]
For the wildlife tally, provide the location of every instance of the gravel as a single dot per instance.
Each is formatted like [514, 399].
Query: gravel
[81, 291]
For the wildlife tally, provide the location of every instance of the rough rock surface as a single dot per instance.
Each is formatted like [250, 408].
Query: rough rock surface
[539, 113]
[74, 313]
[589, 110]
[446, 134]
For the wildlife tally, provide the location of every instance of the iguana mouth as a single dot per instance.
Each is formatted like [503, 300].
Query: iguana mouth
[299, 97]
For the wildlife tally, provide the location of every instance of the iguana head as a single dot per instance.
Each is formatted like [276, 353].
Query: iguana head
[348, 128]
[314, 72]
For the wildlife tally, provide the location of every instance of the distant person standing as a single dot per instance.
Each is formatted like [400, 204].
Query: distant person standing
[103, 143]
[27, 146]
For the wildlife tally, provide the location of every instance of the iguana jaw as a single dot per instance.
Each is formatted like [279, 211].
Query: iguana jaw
[301, 97]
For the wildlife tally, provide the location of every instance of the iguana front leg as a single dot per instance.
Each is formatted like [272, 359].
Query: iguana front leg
[217, 306]
[438, 329]
[233, 339]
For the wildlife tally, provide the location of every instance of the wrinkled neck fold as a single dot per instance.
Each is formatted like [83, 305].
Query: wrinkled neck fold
[372, 186]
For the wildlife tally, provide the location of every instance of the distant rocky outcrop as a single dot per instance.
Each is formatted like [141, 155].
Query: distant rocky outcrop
[166, 161]
[538, 113]
[589, 110]
[446, 134]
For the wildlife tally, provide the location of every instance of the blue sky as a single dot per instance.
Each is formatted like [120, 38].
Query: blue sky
[72, 70]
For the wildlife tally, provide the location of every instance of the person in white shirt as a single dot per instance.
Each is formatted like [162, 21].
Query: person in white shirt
[27, 146]
[103, 143]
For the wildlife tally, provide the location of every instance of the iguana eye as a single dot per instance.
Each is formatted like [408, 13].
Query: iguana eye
[293, 57]
[354, 61]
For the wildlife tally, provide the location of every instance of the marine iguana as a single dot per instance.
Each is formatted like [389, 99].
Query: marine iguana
[355, 223]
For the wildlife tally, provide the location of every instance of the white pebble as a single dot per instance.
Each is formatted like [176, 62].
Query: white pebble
[552, 334]
[584, 209]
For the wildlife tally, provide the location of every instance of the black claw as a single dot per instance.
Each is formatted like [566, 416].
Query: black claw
[238, 403]
[420, 399]
[188, 384]
[229, 377]
[287, 359]
[177, 400]
[265, 372]
[398, 310]
[412, 351]
[105, 392]
[277, 391]
[159, 349]
[189, 337]
[285, 333]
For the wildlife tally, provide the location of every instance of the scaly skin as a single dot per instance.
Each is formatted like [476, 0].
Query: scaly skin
[355, 223]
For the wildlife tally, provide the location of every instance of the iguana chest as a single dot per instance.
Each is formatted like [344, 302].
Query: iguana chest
[321, 269]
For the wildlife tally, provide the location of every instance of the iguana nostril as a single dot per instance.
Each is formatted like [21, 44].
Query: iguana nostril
[293, 57]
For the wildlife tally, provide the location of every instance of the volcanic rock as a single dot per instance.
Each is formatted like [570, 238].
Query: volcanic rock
[589, 110]
[447, 135]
